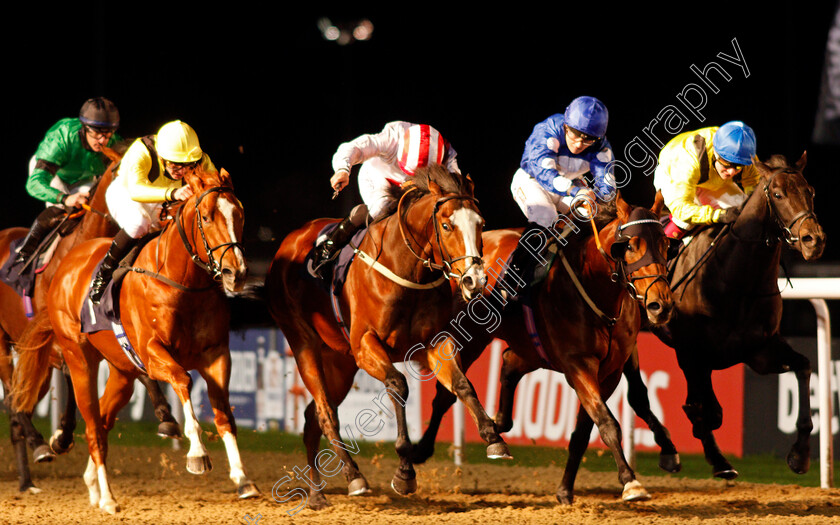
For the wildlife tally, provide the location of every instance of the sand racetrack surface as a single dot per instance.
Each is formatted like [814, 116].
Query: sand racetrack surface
[152, 486]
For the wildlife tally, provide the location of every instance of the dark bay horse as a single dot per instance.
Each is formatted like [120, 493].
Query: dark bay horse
[175, 313]
[586, 330]
[95, 223]
[433, 238]
[728, 306]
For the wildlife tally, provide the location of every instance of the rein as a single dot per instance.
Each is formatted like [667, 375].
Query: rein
[448, 261]
[212, 266]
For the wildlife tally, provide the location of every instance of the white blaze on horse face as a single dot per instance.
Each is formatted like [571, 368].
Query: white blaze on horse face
[468, 222]
[226, 208]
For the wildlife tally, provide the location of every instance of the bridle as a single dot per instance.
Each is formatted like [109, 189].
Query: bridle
[212, 266]
[624, 271]
[787, 229]
[447, 261]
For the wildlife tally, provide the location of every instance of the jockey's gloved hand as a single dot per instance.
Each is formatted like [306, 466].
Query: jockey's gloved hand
[729, 216]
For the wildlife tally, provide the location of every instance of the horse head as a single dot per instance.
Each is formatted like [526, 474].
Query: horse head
[790, 200]
[640, 249]
[456, 227]
[217, 217]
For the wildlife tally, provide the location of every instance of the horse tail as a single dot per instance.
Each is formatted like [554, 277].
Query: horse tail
[33, 367]
[249, 308]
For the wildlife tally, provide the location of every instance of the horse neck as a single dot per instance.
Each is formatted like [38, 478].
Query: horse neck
[749, 261]
[419, 231]
[592, 268]
[170, 255]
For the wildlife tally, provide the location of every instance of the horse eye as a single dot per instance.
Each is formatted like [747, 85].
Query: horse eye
[777, 195]
[205, 218]
[446, 226]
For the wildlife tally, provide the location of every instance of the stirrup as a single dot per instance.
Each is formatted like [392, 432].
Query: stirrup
[97, 290]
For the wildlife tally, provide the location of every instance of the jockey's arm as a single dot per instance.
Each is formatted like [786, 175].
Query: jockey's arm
[383, 144]
[681, 203]
[135, 167]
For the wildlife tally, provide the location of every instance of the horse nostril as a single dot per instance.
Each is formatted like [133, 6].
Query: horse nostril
[807, 239]
[227, 272]
[468, 282]
[654, 306]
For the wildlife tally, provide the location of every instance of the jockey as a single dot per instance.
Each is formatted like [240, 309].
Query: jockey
[550, 180]
[388, 159]
[151, 173]
[67, 163]
[706, 175]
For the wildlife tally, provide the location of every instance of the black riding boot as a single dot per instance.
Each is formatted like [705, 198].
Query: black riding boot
[43, 224]
[523, 264]
[123, 242]
[336, 240]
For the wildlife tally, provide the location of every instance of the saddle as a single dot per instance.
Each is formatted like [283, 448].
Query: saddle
[341, 264]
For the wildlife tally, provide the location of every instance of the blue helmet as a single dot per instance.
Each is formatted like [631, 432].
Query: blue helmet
[589, 115]
[735, 142]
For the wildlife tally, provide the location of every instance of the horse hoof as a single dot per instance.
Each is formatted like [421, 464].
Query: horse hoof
[670, 463]
[728, 474]
[498, 451]
[798, 463]
[56, 443]
[357, 487]
[43, 454]
[111, 507]
[404, 487]
[33, 490]
[634, 491]
[248, 490]
[169, 429]
[564, 497]
[317, 501]
[199, 465]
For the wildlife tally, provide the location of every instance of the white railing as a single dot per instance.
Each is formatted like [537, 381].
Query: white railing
[817, 290]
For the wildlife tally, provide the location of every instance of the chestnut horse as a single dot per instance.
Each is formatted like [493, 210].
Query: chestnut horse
[583, 323]
[95, 223]
[174, 312]
[436, 228]
[728, 307]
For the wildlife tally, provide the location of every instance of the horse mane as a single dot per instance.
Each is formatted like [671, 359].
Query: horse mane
[777, 161]
[606, 213]
[448, 181]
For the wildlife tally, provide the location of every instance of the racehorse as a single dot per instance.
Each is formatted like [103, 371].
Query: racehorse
[383, 310]
[175, 313]
[581, 321]
[95, 223]
[728, 306]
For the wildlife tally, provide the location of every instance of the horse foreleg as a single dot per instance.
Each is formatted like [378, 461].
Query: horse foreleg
[168, 428]
[778, 357]
[578, 444]
[450, 375]
[513, 368]
[217, 376]
[637, 395]
[444, 399]
[21, 458]
[589, 391]
[706, 415]
[373, 358]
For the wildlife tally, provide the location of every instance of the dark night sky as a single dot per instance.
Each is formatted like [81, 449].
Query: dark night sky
[271, 100]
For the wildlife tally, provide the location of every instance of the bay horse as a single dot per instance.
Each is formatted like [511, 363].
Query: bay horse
[13, 320]
[728, 307]
[582, 321]
[172, 308]
[428, 247]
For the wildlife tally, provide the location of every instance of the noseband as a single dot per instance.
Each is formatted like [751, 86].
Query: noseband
[212, 266]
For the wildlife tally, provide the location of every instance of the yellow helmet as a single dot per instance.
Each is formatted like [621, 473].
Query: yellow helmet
[177, 142]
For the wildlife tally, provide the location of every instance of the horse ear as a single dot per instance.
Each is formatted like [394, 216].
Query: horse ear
[622, 207]
[470, 184]
[803, 160]
[658, 203]
[434, 188]
[226, 179]
[762, 168]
